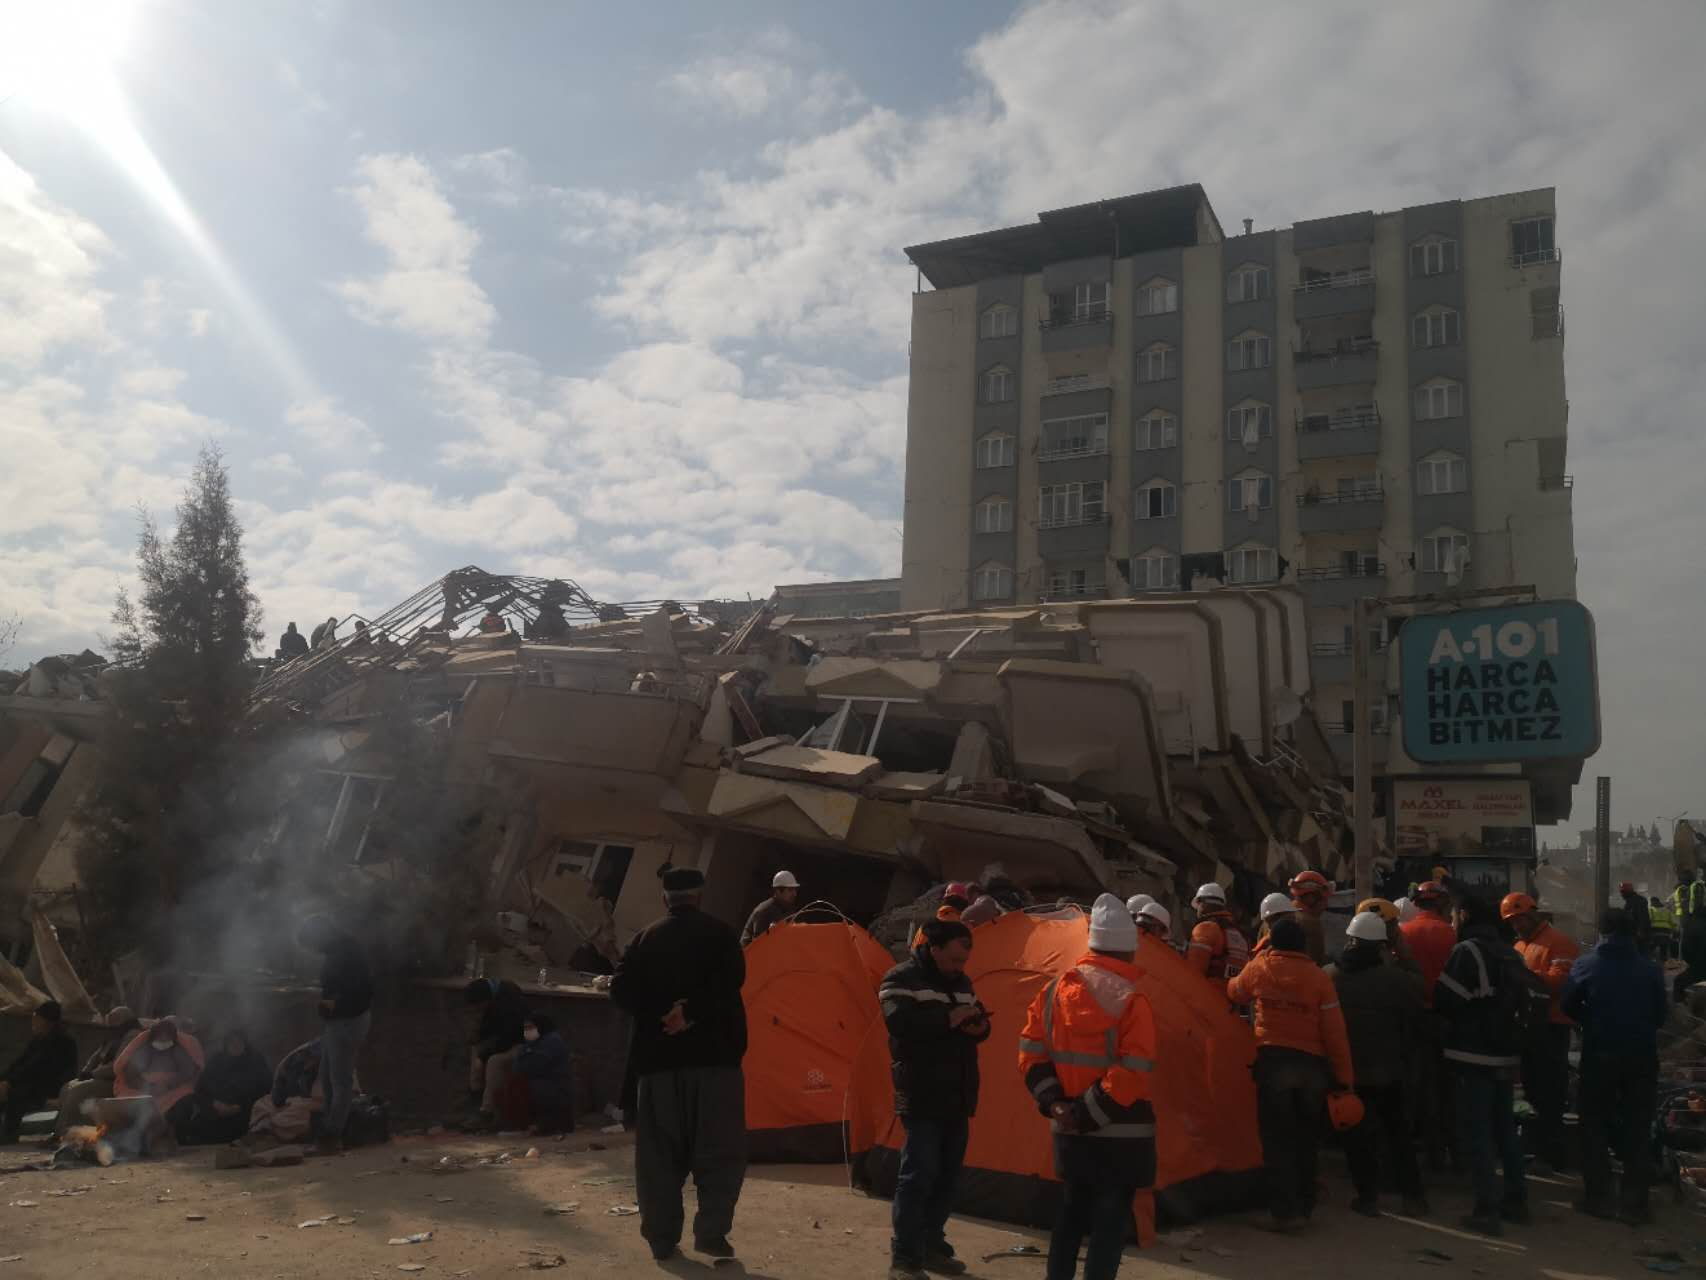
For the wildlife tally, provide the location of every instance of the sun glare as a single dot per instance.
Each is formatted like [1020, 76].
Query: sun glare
[62, 55]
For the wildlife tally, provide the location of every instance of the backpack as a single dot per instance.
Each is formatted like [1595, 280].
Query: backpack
[369, 1122]
[1521, 1000]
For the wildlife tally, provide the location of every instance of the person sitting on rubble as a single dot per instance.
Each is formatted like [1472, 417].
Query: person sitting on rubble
[542, 1068]
[161, 1065]
[36, 1075]
[292, 644]
[550, 624]
[235, 1078]
[503, 1013]
[324, 635]
[493, 623]
[95, 1080]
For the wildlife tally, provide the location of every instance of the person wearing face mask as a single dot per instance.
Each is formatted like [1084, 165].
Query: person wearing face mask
[542, 1063]
[162, 1064]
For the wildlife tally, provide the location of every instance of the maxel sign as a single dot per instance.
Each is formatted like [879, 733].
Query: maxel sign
[1513, 683]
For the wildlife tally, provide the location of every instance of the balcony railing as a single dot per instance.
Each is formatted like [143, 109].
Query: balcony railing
[1536, 257]
[1548, 324]
[1365, 569]
[1340, 649]
[1362, 493]
[1077, 449]
[1552, 484]
[1072, 522]
[1096, 314]
[1075, 382]
[1348, 347]
[1344, 421]
[1337, 280]
[1084, 590]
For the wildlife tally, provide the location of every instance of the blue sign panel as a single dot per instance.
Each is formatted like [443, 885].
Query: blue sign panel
[1518, 682]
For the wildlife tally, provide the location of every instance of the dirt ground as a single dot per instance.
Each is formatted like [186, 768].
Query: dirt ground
[179, 1217]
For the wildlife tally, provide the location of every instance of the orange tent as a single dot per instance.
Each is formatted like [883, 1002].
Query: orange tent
[811, 996]
[1208, 1153]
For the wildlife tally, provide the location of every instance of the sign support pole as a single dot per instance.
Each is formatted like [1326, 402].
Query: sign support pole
[1601, 847]
[1362, 750]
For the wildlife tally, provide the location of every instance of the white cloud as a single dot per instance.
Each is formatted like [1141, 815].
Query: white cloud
[428, 289]
[775, 76]
[501, 175]
[327, 427]
[49, 257]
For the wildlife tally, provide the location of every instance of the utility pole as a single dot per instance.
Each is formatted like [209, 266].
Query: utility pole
[1601, 845]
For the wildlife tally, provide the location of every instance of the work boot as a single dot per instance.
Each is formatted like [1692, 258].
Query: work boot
[662, 1252]
[1484, 1222]
[329, 1145]
[714, 1246]
[1368, 1206]
[901, 1269]
[939, 1259]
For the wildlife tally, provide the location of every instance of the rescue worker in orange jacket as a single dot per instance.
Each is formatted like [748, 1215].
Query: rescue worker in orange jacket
[1087, 1054]
[1548, 953]
[1310, 891]
[1302, 1052]
[1429, 935]
[1275, 907]
[1217, 949]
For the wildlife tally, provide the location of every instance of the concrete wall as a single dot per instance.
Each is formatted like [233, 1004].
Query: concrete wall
[936, 535]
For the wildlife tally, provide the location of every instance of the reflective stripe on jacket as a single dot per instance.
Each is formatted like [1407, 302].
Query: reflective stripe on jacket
[1217, 949]
[1089, 1039]
[1296, 1007]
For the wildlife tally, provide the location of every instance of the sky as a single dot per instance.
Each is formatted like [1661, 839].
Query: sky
[616, 292]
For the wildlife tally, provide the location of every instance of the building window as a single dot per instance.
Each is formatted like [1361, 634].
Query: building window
[1155, 570]
[992, 581]
[1443, 551]
[1157, 363]
[1059, 505]
[1441, 398]
[1252, 562]
[1436, 327]
[1359, 564]
[1442, 472]
[1531, 241]
[1250, 489]
[997, 385]
[1156, 429]
[1158, 297]
[1250, 351]
[1248, 283]
[995, 451]
[1072, 582]
[1075, 437]
[994, 515]
[1435, 256]
[1156, 501]
[1089, 301]
[1249, 423]
[999, 321]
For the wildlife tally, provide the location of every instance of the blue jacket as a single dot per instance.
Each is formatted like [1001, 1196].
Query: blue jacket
[545, 1063]
[1618, 997]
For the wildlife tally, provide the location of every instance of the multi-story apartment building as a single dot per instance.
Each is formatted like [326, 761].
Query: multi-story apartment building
[1120, 398]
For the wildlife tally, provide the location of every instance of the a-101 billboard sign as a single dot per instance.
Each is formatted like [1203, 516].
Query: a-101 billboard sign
[1518, 682]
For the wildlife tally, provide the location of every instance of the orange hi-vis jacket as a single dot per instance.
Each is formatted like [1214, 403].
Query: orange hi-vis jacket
[1089, 1039]
[1217, 948]
[1297, 1007]
[1549, 955]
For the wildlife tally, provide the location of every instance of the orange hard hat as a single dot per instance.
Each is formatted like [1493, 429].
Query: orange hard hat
[1310, 882]
[1344, 1109]
[1380, 906]
[1516, 904]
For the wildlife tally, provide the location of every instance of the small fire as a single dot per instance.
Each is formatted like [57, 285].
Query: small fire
[89, 1141]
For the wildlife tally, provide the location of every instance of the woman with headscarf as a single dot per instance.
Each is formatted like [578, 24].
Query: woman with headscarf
[235, 1078]
[543, 1062]
[161, 1064]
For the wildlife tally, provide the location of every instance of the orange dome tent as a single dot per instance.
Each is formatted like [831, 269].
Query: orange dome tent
[811, 996]
[1208, 1151]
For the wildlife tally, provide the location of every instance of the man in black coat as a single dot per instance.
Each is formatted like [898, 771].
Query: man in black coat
[38, 1073]
[503, 1011]
[935, 1024]
[680, 979]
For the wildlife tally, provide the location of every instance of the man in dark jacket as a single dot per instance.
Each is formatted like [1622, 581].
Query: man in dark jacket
[1478, 994]
[1636, 905]
[680, 980]
[292, 644]
[1383, 1010]
[543, 1061]
[38, 1073]
[1618, 997]
[233, 1080]
[346, 1011]
[935, 1024]
[503, 1010]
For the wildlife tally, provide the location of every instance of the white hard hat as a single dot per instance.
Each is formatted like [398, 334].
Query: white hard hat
[1277, 904]
[1367, 926]
[1155, 911]
[1407, 910]
[784, 880]
[1212, 892]
[1137, 902]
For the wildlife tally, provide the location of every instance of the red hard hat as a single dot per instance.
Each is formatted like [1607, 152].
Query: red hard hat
[959, 889]
[1429, 889]
[1516, 904]
[1626, 887]
[1310, 882]
[1344, 1109]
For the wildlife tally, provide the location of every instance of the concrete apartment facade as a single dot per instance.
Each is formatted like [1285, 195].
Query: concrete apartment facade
[1120, 399]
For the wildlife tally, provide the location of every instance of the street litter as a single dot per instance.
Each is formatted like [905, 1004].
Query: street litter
[623, 1210]
[13, 1257]
[195, 1217]
[562, 1209]
[543, 1264]
[411, 1266]
[532, 1154]
[1014, 1251]
[71, 1191]
[417, 1237]
[603, 1182]
[612, 1128]
[321, 1221]
[26, 1204]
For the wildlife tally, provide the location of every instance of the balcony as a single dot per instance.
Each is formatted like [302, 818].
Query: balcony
[1336, 293]
[1535, 257]
[1335, 663]
[1079, 329]
[1073, 537]
[1347, 434]
[1055, 594]
[1076, 382]
[1352, 361]
[1350, 511]
[1073, 449]
[1341, 587]
[1547, 324]
[1557, 484]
